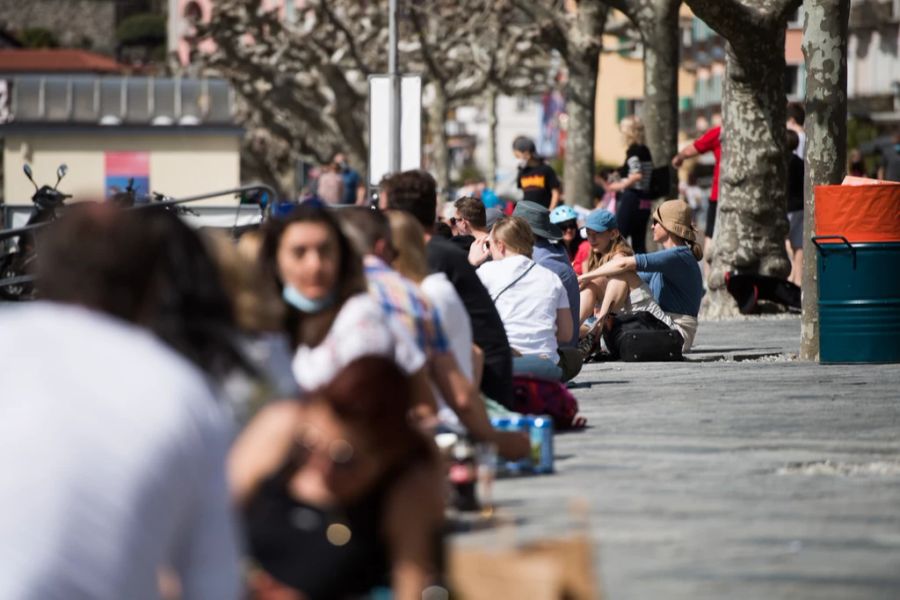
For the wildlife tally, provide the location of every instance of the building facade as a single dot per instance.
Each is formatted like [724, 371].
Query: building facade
[873, 64]
[172, 135]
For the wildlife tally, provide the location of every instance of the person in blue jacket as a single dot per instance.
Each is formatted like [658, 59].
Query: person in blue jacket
[673, 273]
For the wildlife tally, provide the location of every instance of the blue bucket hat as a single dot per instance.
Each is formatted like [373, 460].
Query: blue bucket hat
[538, 217]
[601, 220]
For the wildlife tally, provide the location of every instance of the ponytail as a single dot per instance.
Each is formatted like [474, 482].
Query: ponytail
[696, 250]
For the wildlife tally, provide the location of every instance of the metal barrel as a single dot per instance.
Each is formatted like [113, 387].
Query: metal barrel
[859, 300]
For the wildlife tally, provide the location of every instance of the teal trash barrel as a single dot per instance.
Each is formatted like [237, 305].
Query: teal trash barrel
[859, 301]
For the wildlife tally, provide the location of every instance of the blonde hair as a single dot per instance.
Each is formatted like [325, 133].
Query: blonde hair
[632, 129]
[516, 234]
[257, 307]
[619, 246]
[408, 239]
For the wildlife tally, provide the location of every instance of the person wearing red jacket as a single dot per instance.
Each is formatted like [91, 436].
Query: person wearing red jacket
[711, 141]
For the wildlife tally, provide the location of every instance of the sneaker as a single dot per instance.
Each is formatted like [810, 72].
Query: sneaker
[586, 346]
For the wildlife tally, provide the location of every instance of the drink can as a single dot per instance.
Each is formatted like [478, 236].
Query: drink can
[502, 424]
[541, 434]
[526, 464]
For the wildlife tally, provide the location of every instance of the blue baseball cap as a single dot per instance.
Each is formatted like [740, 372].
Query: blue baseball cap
[601, 220]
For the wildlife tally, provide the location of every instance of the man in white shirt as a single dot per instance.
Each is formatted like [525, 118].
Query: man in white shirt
[112, 454]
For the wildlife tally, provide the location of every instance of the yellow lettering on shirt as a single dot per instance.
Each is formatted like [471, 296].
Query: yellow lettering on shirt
[533, 181]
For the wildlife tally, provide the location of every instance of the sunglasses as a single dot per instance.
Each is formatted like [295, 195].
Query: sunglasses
[568, 225]
[339, 453]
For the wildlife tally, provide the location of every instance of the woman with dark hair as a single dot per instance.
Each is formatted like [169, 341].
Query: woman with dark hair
[330, 317]
[342, 495]
[147, 267]
[536, 179]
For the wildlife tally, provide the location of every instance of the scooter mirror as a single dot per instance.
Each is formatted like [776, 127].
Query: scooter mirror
[28, 173]
[60, 173]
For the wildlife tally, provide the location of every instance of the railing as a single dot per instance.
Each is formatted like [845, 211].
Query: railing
[114, 100]
[169, 202]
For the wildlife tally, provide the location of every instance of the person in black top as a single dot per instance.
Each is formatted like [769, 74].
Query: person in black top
[536, 179]
[469, 223]
[795, 208]
[416, 193]
[342, 494]
[633, 203]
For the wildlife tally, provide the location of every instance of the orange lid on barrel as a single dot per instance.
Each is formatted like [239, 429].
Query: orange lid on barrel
[861, 210]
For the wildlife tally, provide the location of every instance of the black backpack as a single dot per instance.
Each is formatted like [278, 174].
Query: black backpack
[641, 337]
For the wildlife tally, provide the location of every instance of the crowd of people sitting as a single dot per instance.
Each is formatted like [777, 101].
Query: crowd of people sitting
[295, 379]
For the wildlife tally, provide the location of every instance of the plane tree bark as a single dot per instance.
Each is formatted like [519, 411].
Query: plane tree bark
[825, 33]
[574, 30]
[465, 49]
[303, 87]
[657, 24]
[751, 224]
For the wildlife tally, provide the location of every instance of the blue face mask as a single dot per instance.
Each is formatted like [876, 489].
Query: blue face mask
[307, 305]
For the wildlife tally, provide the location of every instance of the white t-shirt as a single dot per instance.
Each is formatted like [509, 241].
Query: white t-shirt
[361, 328]
[801, 146]
[457, 327]
[528, 308]
[112, 463]
[454, 318]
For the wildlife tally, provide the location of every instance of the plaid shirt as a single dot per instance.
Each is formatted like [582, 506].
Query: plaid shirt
[401, 299]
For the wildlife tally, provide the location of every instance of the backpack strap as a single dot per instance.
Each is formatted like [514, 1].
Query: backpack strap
[514, 282]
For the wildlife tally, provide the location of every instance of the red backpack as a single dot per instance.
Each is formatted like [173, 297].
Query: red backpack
[533, 396]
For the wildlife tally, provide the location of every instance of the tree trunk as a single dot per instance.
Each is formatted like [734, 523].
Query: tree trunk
[658, 24]
[578, 177]
[751, 225]
[491, 105]
[440, 153]
[584, 42]
[825, 33]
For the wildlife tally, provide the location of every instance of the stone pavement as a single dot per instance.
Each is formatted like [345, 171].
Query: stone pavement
[744, 475]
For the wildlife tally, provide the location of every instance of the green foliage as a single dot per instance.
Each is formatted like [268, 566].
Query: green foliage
[145, 29]
[470, 173]
[860, 131]
[559, 165]
[38, 37]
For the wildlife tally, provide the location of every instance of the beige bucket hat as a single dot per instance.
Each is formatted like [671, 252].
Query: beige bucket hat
[675, 217]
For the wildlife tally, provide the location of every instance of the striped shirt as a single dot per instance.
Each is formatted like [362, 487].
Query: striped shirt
[401, 299]
[639, 160]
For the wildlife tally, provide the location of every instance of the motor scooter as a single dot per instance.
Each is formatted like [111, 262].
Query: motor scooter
[16, 264]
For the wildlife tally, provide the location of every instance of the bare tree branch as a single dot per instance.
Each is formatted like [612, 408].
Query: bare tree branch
[305, 83]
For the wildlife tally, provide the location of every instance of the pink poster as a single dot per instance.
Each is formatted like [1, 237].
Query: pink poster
[124, 166]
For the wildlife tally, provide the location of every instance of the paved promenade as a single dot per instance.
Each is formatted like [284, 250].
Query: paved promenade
[746, 474]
